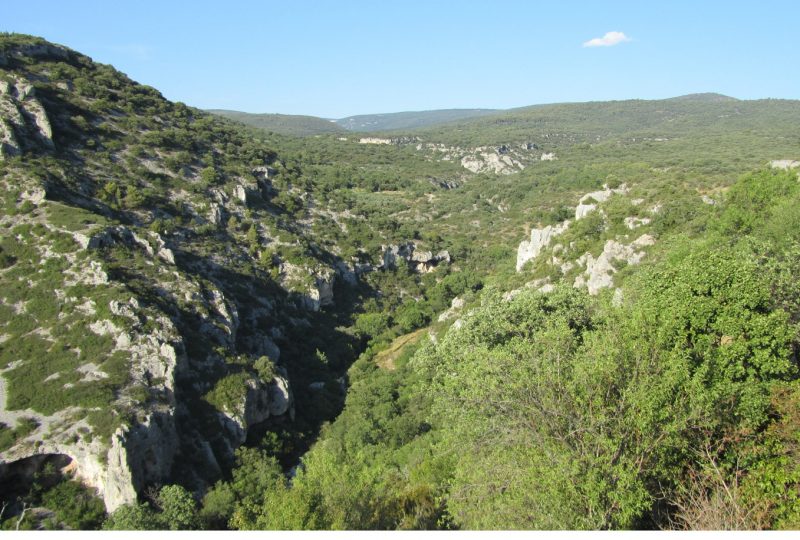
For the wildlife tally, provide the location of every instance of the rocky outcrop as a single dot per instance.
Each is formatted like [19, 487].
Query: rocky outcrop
[393, 253]
[23, 119]
[393, 140]
[599, 273]
[321, 293]
[420, 261]
[140, 455]
[141, 451]
[216, 214]
[36, 50]
[784, 164]
[34, 195]
[156, 246]
[490, 160]
[456, 305]
[503, 159]
[634, 222]
[261, 401]
[588, 203]
[540, 238]
[374, 140]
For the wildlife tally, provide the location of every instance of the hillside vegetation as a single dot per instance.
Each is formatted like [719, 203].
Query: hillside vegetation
[285, 124]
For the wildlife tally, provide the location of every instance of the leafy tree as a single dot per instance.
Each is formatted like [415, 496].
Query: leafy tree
[372, 324]
[74, 505]
[133, 517]
[178, 509]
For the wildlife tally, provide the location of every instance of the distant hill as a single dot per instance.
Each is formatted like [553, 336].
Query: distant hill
[303, 126]
[691, 115]
[285, 124]
[410, 119]
[706, 96]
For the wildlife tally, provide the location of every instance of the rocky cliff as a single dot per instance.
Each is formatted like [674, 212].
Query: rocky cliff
[145, 263]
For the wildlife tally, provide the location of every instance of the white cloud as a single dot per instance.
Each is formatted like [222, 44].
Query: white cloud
[611, 38]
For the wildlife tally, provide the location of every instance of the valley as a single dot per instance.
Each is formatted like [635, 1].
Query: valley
[566, 316]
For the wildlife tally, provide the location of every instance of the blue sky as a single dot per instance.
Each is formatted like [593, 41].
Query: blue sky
[335, 59]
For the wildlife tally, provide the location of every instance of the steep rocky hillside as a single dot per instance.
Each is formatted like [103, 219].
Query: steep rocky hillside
[157, 286]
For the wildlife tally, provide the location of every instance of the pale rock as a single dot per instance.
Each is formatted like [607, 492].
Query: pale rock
[456, 305]
[142, 243]
[708, 200]
[393, 253]
[618, 298]
[9, 147]
[324, 288]
[218, 195]
[443, 256]
[484, 160]
[166, 255]
[140, 455]
[126, 310]
[94, 274]
[91, 372]
[23, 113]
[600, 271]
[215, 214]
[261, 401]
[346, 272]
[548, 156]
[35, 195]
[635, 222]
[585, 207]
[226, 311]
[784, 164]
[421, 256]
[547, 288]
[374, 140]
[539, 239]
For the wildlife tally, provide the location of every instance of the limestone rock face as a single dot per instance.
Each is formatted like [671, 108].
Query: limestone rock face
[393, 253]
[456, 305]
[540, 238]
[491, 160]
[240, 193]
[261, 401]
[419, 260]
[23, 119]
[346, 272]
[140, 455]
[320, 293]
[9, 146]
[215, 214]
[600, 272]
[324, 290]
[589, 201]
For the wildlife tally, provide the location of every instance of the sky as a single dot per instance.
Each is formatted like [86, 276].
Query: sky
[340, 58]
